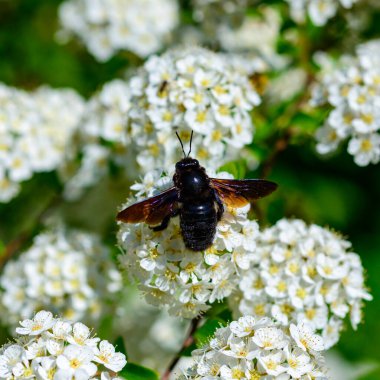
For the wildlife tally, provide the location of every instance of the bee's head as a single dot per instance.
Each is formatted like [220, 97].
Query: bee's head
[187, 163]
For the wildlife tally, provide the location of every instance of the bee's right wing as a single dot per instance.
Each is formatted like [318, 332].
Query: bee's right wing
[152, 210]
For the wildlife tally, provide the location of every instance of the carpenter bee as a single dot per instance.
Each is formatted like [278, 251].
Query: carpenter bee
[198, 200]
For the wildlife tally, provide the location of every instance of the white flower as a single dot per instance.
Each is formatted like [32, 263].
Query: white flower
[169, 274]
[75, 362]
[105, 27]
[107, 356]
[305, 338]
[42, 321]
[352, 88]
[35, 133]
[303, 273]
[298, 363]
[269, 338]
[47, 353]
[231, 357]
[67, 271]
[319, 11]
[10, 358]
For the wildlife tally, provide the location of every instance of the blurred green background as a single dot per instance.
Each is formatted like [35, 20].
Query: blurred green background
[329, 191]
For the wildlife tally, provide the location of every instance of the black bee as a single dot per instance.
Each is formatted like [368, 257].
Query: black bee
[198, 200]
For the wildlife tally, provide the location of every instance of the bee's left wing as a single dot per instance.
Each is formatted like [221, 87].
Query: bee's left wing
[237, 193]
[152, 210]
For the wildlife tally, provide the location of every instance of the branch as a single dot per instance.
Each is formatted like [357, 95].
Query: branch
[189, 340]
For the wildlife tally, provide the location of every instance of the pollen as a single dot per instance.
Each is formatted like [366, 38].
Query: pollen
[217, 135]
[171, 276]
[167, 116]
[287, 309]
[237, 373]
[198, 98]
[273, 269]
[271, 364]
[281, 286]
[368, 118]
[294, 267]
[366, 145]
[301, 293]
[361, 99]
[201, 117]
[220, 90]
[205, 82]
[75, 363]
[190, 268]
[259, 309]
[258, 284]
[310, 313]
[17, 163]
[223, 110]
[293, 363]
[37, 327]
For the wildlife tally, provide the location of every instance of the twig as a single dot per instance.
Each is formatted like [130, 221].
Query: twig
[11, 248]
[189, 340]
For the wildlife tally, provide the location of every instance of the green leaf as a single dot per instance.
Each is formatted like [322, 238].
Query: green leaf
[236, 168]
[135, 372]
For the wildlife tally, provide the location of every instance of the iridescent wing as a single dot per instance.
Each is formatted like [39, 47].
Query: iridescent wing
[237, 193]
[152, 210]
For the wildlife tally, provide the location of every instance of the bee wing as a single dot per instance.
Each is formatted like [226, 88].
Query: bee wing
[237, 193]
[151, 210]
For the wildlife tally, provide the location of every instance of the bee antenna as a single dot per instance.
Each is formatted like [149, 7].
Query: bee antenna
[180, 141]
[191, 140]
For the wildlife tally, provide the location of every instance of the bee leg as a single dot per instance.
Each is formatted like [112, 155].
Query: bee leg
[220, 211]
[165, 221]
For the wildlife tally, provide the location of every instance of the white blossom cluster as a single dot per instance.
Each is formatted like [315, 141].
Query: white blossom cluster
[35, 130]
[49, 348]
[304, 273]
[255, 349]
[103, 139]
[134, 121]
[169, 274]
[353, 91]
[190, 89]
[69, 272]
[319, 11]
[108, 26]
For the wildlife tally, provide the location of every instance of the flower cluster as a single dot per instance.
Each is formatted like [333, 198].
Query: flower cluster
[258, 349]
[35, 130]
[69, 272]
[353, 91]
[190, 89]
[304, 273]
[319, 11]
[108, 26]
[184, 280]
[103, 140]
[50, 348]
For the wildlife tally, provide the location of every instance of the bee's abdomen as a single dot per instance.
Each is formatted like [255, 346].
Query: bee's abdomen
[198, 225]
